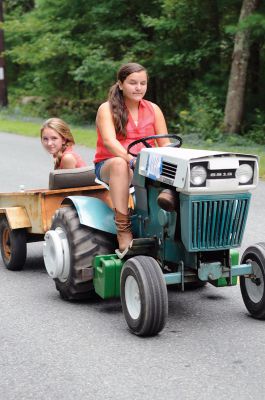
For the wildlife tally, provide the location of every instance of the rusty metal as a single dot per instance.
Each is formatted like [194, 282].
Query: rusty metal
[6, 244]
[33, 209]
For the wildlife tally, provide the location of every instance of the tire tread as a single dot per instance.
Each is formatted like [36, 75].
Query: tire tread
[155, 309]
[84, 243]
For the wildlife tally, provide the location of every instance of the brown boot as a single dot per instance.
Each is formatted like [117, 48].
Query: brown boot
[124, 232]
[167, 200]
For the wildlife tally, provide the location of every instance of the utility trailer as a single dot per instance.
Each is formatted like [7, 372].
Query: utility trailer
[25, 216]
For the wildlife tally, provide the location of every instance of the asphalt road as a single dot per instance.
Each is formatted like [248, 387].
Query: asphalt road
[50, 349]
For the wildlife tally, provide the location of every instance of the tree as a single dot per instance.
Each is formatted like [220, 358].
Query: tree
[3, 87]
[66, 53]
[238, 75]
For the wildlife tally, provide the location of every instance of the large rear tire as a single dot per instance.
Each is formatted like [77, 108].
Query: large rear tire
[144, 296]
[13, 244]
[253, 289]
[82, 244]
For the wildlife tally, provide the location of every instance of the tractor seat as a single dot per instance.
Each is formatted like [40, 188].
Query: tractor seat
[72, 178]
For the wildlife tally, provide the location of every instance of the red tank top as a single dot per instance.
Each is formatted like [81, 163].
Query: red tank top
[79, 162]
[144, 128]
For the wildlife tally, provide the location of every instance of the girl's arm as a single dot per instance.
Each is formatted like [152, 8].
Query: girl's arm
[106, 128]
[68, 161]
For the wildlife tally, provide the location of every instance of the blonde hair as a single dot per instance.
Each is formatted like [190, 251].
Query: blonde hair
[63, 130]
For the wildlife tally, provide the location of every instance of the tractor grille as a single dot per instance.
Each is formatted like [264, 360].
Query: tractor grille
[168, 170]
[216, 224]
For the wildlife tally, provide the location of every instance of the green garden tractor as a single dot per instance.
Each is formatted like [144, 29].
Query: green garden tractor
[189, 215]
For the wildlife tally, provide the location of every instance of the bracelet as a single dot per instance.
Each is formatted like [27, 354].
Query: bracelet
[131, 163]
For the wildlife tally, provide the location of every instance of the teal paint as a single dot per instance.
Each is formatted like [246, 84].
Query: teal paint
[236, 270]
[94, 213]
[212, 222]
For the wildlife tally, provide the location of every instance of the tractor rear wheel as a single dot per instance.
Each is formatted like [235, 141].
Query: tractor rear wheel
[253, 289]
[68, 253]
[144, 296]
[13, 244]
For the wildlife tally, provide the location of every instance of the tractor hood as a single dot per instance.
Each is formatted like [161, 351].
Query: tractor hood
[195, 171]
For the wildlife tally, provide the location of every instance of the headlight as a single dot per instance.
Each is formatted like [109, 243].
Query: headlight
[244, 173]
[198, 175]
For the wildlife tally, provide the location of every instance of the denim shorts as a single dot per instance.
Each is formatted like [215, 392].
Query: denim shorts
[98, 166]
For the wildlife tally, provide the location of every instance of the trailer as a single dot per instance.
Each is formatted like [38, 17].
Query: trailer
[26, 215]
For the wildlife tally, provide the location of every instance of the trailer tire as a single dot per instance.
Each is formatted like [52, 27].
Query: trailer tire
[253, 289]
[144, 296]
[13, 244]
[84, 243]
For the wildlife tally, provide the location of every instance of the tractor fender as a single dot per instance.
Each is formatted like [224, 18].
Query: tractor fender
[93, 212]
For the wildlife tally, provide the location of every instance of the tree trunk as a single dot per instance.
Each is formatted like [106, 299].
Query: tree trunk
[238, 75]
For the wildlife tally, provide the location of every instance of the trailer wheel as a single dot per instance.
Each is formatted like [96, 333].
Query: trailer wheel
[253, 289]
[13, 245]
[144, 296]
[68, 253]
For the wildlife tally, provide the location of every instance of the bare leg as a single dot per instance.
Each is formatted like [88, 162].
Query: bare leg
[118, 175]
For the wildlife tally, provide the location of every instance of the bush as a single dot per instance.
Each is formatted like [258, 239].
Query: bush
[75, 111]
[203, 117]
[257, 130]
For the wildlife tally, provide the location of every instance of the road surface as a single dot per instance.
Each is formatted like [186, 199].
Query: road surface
[56, 350]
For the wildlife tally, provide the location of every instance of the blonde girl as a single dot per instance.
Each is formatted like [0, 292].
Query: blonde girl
[57, 139]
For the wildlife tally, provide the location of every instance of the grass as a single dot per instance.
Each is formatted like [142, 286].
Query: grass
[84, 136]
[87, 137]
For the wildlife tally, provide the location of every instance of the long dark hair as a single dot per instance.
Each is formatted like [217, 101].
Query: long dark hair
[117, 104]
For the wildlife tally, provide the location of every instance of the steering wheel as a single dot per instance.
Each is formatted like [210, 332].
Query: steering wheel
[144, 140]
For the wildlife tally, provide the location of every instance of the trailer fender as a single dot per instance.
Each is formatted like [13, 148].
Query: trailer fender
[93, 212]
[17, 217]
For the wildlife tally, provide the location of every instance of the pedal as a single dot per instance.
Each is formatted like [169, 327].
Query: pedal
[143, 246]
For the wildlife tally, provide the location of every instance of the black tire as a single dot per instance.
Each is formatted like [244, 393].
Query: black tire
[253, 289]
[145, 316]
[13, 244]
[84, 243]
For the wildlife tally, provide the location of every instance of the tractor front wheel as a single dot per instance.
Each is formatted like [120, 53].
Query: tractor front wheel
[253, 288]
[13, 244]
[144, 296]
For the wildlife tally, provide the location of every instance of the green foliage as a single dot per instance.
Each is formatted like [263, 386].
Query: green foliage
[82, 135]
[254, 23]
[203, 118]
[257, 130]
[18, 6]
[66, 53]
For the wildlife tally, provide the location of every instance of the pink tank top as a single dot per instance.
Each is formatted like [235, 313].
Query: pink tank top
[79, 162]
[144, 128]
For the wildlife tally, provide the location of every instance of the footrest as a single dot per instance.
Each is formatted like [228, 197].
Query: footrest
[144, 246]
